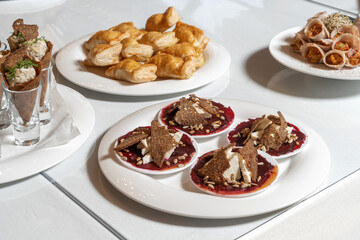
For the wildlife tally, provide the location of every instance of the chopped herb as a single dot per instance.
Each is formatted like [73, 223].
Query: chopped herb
[11, 72]
[21, 37]
[42, 38]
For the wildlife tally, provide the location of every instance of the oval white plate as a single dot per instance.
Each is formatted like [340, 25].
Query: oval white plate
[169, 193]
[289, 154]
[69, 62]
[122, 128]
[37, 160]
[281, 50]
[268, 158]
[196, 136]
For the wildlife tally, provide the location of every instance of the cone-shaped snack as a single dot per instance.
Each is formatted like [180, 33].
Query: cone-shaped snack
[37, 48]
[22, 74]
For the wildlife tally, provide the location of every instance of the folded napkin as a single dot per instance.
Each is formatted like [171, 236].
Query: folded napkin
[61, 130]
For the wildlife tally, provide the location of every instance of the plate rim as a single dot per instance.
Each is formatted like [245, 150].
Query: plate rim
[63, 66]
[274, 53]
[187, 211]
[67, 148]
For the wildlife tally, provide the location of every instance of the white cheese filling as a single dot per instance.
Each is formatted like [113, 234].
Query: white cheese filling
[24, 75]
[199, 109]
[234, 169]
[37, 50]
[259, 130]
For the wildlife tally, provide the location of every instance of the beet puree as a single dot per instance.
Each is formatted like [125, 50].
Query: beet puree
[228, 114]
[133, 153]
[284, 148]
[267, 171]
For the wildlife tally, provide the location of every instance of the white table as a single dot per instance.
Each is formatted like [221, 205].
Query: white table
[73, 200]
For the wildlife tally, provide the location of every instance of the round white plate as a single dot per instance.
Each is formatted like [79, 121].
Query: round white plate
[69, 62]
[37, 160]
[299, 175]
[197, 136]
[156, 172]
[268, 158]
[281, 50]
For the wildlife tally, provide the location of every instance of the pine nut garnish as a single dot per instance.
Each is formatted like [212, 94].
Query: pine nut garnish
[221, 111]
[222, 117]
[138, 158]
[192, 131]
[167, 163]
[181, 165]
[139, 162]
[236, 185]
[258, 179]
[175, 161]
[211, 186]
[122, 140]
[172, 123]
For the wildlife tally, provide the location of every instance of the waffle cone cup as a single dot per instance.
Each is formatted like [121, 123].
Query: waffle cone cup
[45, 63]
[25, 103]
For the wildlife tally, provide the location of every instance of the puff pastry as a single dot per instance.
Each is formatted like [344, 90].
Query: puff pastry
[133, 50]
[162, 21]
[104, 55]
[191, 34]
[184, 50]
[132, 71]
[128, 27]
[105, 37]
[159, 40]
[169, 66]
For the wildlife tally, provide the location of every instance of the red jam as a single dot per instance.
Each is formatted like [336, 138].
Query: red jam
[228, 118]
[132, 153]
[267, 171]
[284, 148]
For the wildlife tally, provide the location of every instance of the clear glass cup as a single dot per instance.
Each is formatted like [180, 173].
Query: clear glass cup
[45, 98]
[4, 110]
[24, 114]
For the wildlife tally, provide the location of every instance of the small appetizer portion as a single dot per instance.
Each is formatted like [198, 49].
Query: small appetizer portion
[333, 40]
[104, 55]
[156, 149]
[196, 116]
[132, 71]
[271, 134]
[37, 49]
[162, 21]
[22, 74]
[234, 172]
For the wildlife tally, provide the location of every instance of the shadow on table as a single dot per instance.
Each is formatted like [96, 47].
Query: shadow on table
[124, 203]
[267, 72]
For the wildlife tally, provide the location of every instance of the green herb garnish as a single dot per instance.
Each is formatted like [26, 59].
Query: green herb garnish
[42, 38]
[11, 72]
[20, 36]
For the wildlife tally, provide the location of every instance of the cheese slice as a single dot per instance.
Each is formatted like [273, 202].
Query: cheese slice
[177, 136]
[259, 130]
[198, 108]
[234, 160]
[245, 171]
